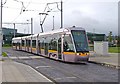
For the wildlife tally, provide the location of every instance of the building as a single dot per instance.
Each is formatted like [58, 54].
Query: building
[95, 37]
[8, 34]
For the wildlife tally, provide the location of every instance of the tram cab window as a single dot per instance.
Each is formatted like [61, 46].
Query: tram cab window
[68, 44]
[80, 41]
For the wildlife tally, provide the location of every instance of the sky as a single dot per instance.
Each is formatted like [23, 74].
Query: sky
[98, 16]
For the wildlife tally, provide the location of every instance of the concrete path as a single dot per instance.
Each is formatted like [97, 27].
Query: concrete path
[17, 72]
[0, 71]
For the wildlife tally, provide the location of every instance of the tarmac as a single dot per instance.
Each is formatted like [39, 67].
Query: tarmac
[11, 71]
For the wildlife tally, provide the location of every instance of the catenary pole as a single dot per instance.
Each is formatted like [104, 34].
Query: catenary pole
[61, 14]
[53, 24]
[14, 29]
[1, 37]
[31, 26]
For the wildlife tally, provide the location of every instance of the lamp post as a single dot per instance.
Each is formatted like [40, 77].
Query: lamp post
[31, 26]
[1, 37]
[53, 24]
[14, 29]
[61, 14]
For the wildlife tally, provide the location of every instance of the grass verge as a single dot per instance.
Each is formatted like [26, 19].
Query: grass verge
[114, 49]
[4, 54]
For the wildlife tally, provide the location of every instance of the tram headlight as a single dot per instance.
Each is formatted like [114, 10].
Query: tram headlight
[78, 53]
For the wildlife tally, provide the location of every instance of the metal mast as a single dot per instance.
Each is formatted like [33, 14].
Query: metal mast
[1, 37]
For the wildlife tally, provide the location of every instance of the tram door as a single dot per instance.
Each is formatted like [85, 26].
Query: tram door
[39, 47]
[46, 48]
[27, 45]
[59, 48]
[18, 46]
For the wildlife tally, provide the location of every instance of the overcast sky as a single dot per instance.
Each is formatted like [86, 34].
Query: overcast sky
[99, 16]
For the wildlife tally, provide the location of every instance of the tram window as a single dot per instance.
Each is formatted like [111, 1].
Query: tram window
[68, 44]
[23, 43]
[42, 45]
[53, 44]
[34, 43]
[50, 46]
[80, 40]
[28, 42]
[13, 44]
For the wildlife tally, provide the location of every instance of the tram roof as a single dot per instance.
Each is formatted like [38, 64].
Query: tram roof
[16, 38]
[63, 30]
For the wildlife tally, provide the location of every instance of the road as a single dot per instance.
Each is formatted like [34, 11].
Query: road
[65, 72]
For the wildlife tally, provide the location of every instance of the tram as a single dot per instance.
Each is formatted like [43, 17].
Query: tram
[66, 44]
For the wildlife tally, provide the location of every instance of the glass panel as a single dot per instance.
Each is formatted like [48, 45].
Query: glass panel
[23, 43]
[53, 44]
[68, 44]
[34, 43]
[42, 45]
[80, 40]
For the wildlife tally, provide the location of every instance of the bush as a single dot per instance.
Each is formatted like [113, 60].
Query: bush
[4, 54]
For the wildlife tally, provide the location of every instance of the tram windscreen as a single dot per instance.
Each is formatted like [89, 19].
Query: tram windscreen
[80, 40]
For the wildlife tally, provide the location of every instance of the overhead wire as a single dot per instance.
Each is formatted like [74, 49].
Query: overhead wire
[10, 7]
[22, 9]
[31, 2]
[4, 2]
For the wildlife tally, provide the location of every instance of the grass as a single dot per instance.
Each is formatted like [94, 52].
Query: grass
[4, 54]
[110, 49]
[114, 49]
[6, 45]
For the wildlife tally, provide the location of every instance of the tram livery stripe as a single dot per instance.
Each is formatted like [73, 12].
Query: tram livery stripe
[65, 53]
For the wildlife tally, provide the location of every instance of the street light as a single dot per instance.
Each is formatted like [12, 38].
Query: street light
[1, 36]
[53, 24]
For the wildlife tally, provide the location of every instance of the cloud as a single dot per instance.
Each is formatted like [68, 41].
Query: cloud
[93, 14]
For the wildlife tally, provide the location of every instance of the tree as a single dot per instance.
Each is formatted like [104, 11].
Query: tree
[110, 37]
